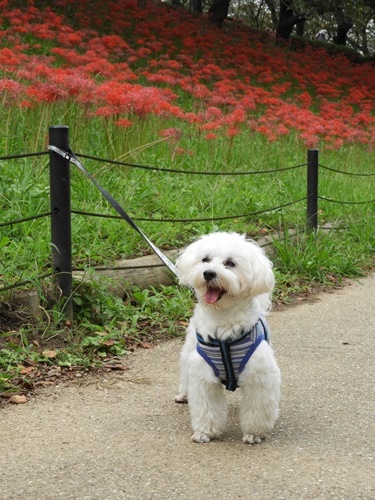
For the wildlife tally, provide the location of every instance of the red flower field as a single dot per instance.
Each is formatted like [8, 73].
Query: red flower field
[117, 60]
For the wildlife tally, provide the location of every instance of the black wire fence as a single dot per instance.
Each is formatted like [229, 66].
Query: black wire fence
[60, 204]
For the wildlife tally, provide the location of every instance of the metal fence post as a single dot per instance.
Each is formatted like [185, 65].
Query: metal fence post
[312, 189]
[61, 234]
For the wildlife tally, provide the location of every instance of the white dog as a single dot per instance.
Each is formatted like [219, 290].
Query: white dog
[227, 338]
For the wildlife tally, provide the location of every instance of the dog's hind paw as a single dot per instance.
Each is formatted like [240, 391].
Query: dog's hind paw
[251, 439]
[181, 398]
[200, 437]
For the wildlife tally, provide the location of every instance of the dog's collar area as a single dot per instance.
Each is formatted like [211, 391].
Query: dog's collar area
[228, 358]
[215, 342]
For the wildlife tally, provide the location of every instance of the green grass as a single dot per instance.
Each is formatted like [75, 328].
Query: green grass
[151, 194]
[156, 195]
[107, 326]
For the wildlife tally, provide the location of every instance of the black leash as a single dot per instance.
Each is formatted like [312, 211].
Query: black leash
[230, 380]
[71, 157]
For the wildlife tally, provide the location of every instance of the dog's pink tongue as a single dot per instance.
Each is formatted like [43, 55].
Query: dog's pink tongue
[212, 295]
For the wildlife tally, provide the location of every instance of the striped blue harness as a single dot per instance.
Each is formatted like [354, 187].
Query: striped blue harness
[228, 358]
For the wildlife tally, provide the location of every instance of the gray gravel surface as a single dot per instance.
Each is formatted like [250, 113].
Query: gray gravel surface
[123, 437]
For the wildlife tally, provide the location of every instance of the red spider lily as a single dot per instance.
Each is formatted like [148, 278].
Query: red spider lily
[234, 78]
[10, 59]
[123, 122]
[210, 137]
[173, 134]
[232, 131]
[70, 39]
[11, 87]
[46, 92]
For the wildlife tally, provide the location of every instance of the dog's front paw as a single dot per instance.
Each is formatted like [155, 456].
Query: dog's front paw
[251, 439]
[200, 437]
[181, 398]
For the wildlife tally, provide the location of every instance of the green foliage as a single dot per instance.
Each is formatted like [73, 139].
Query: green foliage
[104, 326]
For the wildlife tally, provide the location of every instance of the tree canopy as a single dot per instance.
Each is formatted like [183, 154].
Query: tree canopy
[348, 23]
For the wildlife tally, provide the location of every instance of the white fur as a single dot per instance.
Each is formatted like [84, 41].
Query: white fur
[240, 268]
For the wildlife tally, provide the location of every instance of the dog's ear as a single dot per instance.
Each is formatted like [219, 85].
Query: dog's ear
[262, 276]
[185, 263]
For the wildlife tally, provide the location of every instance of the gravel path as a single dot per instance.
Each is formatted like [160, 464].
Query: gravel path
[123, 437]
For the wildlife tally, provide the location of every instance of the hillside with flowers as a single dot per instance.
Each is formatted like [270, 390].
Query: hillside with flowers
[125, 64]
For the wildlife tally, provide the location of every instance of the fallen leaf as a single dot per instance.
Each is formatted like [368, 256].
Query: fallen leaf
[49, 354]
[18, 399]
[30, 362]
[146, 345]
[25, 370]
[54, 372]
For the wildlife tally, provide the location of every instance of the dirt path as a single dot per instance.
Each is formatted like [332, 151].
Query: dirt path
[124, 438]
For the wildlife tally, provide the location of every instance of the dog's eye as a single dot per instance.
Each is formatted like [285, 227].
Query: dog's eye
[229, 263]
[206, 259]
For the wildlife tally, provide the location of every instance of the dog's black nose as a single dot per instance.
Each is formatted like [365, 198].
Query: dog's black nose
[209, 275]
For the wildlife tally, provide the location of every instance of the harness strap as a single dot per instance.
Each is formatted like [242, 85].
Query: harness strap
[220, 352]
[250, 352]
[230, 381]
[266, 331]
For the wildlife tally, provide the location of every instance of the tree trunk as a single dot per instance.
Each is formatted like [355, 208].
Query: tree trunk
[287, 19]
[300, 28]
[344, 23]
[271, 6]
[196, 6]
[342, 32]
[218, 12]
[364, 42]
